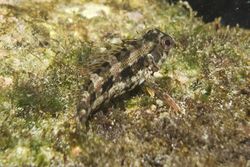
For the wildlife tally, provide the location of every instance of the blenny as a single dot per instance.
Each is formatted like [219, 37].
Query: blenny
[121, 71]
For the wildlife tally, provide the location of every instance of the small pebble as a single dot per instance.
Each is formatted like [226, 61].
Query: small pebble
[159, 103]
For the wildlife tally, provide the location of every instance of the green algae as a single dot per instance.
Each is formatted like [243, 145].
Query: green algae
[43, 48]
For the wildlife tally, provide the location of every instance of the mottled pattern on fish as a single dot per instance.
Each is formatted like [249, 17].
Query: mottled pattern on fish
[118, 72]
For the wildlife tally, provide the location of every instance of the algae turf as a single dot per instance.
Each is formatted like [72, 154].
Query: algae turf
[43, 48]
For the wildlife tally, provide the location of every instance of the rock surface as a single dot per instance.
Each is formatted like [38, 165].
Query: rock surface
[43, 45]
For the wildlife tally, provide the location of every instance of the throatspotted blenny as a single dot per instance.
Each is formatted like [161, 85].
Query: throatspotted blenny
[120, 72]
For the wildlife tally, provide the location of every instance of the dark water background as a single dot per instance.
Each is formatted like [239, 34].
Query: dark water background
[232, 12]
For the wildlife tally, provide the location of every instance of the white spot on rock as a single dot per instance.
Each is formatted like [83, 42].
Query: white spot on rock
[135, 16]
[92, 10]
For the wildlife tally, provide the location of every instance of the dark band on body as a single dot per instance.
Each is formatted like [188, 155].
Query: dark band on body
[126, 73]
[122, 55]
[103, 69]
[107, 84]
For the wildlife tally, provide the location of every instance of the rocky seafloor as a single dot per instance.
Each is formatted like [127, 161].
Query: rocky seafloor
[43, 44]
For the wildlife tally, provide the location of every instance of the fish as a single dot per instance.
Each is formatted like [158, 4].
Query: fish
[117, 72]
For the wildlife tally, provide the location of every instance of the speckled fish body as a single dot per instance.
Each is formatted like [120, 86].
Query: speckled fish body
[121, 71]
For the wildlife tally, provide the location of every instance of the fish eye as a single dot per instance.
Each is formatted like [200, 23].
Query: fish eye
[167, 42]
